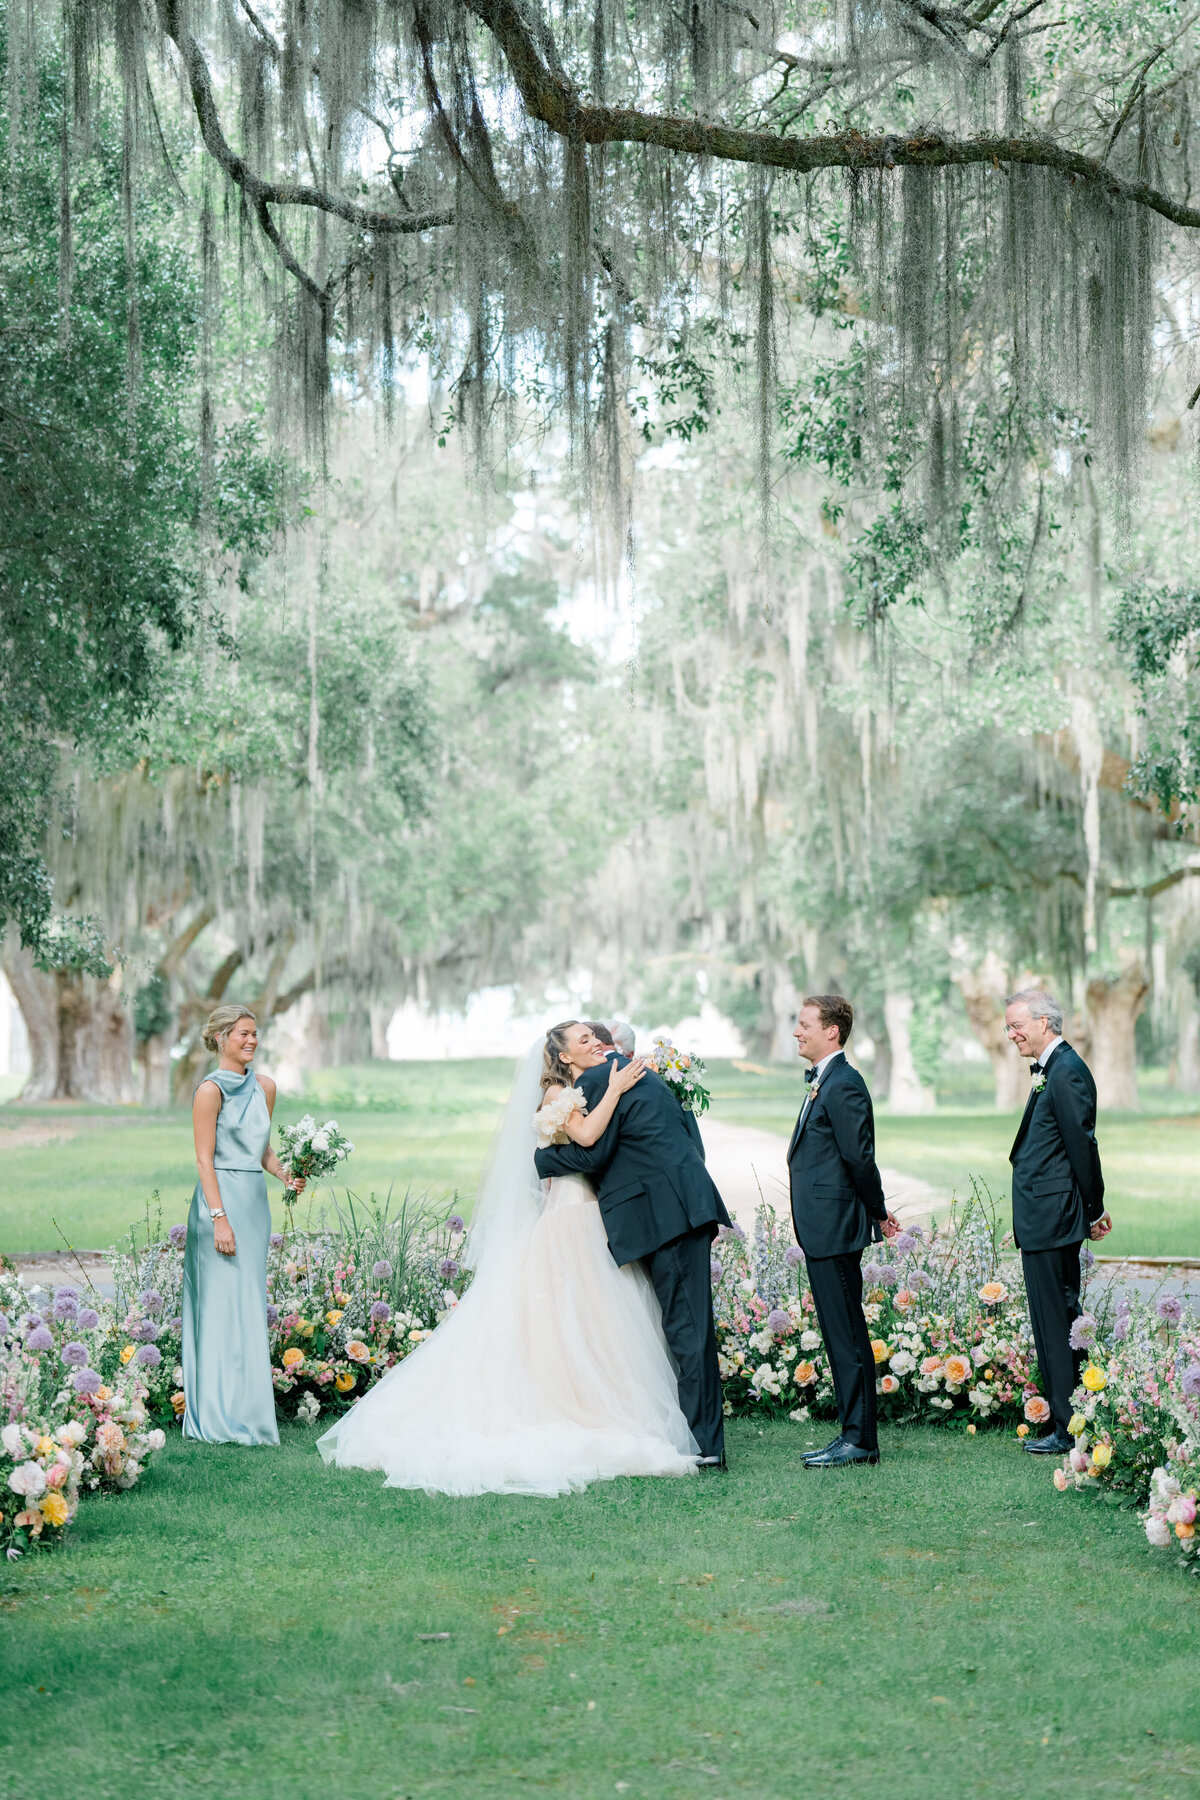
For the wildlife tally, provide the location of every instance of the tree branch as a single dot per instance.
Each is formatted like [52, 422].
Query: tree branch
[556, 103]
[172, 957]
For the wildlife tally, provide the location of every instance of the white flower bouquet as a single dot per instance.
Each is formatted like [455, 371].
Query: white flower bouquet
[682, 1071]
[309, 1151]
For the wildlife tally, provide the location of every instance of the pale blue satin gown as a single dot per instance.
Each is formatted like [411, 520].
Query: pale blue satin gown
[226, 1353]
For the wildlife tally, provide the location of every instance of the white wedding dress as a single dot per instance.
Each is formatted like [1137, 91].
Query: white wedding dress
[551, 1372]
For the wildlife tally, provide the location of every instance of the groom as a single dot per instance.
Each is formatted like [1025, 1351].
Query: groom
[661, 1207]
[838, 1208]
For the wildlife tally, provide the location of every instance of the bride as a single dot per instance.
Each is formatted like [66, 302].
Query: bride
[552, 1371]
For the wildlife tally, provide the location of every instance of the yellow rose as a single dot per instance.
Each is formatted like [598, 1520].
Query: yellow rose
[129, 1351]
[45, 1446]
[1022, 1431]
[879, 1350]
[1094, 1379]
[104, 1393]
[1102, 1455]
[54, 1509]
[292, 1357]
[304, 1328]
[334, 1317]
[179, 1402]
[1077, 1425]
[345, 1382]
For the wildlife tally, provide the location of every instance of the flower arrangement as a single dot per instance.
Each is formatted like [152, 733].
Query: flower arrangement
[951, 1339]
[309, 1151]
[682, 1071]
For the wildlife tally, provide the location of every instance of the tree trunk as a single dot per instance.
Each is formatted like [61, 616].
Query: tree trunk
[905, 1094]
[1187, 1048]
[80, 1033]
[983, 991]
[155, 1065]
[1113, 1005]
[785, 1004]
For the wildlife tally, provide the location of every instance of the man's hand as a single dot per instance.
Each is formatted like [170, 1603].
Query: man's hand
[891, 1225]
[1101, 1228]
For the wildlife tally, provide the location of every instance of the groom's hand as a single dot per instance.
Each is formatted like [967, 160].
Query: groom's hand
[891, 1226]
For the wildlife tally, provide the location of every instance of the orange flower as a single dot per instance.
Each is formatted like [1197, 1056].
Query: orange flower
[1022, 1431]
[992, 1292]
[292, 1357]
[889, 1384]
[1037, 1410]
[957, 1370]
[1184, 1532]
[879, 1350]
[344, 1382]
[179, 1402]
[803, 1374]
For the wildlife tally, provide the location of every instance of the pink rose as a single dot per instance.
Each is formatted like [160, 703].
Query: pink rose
[56, 1475]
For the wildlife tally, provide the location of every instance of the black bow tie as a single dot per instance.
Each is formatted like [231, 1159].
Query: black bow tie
[1035, 1069]
[810, 1075]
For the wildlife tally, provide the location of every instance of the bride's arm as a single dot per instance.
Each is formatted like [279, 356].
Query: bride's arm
[586, 1130]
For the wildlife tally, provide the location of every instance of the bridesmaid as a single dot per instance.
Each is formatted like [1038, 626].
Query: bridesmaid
[226, 1356]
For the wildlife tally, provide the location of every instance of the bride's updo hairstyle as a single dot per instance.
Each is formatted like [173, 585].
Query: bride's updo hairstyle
[555, 1072]
[220, 1022]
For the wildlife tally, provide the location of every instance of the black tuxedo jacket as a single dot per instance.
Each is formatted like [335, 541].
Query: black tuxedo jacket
[1058, 1188]
[650, 1177]
[837, 1196]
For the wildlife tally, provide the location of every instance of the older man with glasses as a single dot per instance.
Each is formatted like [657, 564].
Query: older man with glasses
[1057, 1196]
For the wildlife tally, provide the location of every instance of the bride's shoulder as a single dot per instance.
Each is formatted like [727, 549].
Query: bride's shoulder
[550, 1094]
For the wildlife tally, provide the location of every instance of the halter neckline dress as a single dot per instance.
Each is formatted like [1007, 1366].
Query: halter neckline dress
[226, 1352]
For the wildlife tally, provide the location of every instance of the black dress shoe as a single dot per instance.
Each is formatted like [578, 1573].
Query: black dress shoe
[835, 1444]
[1056, 1444]
[841, 1457]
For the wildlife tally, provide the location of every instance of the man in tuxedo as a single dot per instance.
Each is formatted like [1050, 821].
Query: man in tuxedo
[660, 1206]
[837, 1209]
[1057, 1196]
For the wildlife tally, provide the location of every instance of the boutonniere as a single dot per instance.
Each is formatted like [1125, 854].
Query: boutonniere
[814, 1090]
[1038, 1083]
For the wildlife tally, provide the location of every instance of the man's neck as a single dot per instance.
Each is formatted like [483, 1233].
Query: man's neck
[1043, 1056]
[819, 1067]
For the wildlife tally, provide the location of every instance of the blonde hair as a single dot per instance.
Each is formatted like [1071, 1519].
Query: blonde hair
[220, 1022]
[555, 1072]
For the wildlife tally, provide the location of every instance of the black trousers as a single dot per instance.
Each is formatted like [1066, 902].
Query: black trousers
[1052, 1288]
[681, 1275]
[836, 1283]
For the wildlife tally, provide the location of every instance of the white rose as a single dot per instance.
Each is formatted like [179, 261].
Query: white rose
[156, 1439]
[1158, 1532]
[320, 1141]
[331, 1125]
[28, 1479]
[810, 1340]
[72, 1432]
[902, 1363]
[13, 1440]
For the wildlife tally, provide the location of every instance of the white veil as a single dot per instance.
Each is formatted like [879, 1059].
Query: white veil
[509, 1197]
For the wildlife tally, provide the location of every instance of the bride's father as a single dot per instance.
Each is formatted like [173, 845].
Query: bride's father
[1057, 1196]
[661, 1208]
[838, 1208]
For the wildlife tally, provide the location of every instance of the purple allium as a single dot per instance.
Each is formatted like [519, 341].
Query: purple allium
[381, 1271]
[793, 1256]
[447, 1268]
[738, 1232]
[86, 1381]
[144, 1332]
[904, 1242]
[149, 1356]
[272, 1314]
[277, 1240]
[456, 1224]
[178, 1236]
[920, 1278]
[30, 1321]
[151, 1301]
[871, 1272]
[1083, 1332]
[1169, 1309]
[66, 1292]
[88, 1318]
[715, 1271]
[65, 1307]
[5, 1325]
[75, 1355]
[39, 1338]
[889, 1277]
[381, 1311]
[1120, 1330]
[175, 1326]
[778, 1321]
[1087, 1257]
[1189, 1381]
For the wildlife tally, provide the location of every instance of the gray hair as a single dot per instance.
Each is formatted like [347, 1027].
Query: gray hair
[1041, 1006]
[622, 1035]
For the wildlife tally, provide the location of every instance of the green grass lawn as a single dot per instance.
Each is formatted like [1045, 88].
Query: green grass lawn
[427, 1126]
[247, 1624]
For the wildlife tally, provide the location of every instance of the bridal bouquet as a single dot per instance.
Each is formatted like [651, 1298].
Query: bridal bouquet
[681, 1070]
[310, 1151]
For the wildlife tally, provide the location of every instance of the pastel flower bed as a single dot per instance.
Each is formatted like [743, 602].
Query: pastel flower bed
[949, 1326]
[1136, 1427]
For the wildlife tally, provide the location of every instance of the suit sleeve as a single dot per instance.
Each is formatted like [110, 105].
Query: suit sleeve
[1073, 1103]
[853, 1124]
[692, 1126]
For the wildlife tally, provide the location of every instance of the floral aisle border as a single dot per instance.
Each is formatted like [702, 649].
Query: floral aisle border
[354, 1296]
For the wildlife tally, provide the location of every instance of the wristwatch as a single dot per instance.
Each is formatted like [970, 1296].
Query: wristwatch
[219, 1214]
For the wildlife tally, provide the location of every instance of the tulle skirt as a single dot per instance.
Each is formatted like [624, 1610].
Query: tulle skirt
[549, 1374]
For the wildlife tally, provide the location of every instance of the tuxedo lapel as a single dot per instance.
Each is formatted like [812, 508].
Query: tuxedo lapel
[1032, 1100]
[810, 1100]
